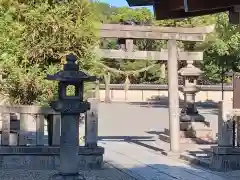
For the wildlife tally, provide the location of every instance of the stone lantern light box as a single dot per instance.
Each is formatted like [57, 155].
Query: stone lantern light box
[70, 76]
[190, 73]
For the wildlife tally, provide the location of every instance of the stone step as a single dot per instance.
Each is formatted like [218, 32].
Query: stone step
[195, 125]
[204, 162]
[200, 153]
[183, 140]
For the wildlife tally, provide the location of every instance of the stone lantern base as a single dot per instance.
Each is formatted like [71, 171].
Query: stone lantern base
[191, 118]
[190, 113]
[194, 128]
[192, 133]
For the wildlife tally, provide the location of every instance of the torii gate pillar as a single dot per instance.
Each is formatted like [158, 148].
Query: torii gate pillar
[174, 124]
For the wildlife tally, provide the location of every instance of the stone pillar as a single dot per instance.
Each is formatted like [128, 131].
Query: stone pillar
[107, 78]
[40, 130]
[225, 127]
[91, 125]
[173, 96]
[126, 87]
[225, 157]
[69, 143]
[56, 129]
[163, 71]
[25, 131]
[238, 131]
[97, 90]
[129, 45]
[5, 129]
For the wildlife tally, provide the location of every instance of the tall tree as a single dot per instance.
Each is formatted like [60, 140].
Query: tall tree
[34, 40]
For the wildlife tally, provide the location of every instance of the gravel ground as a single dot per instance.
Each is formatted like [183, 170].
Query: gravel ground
[108, 173]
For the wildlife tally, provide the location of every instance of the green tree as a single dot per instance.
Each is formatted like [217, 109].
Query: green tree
[222, 54]
[35, 37]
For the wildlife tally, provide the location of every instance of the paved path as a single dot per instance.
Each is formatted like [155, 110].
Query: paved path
[127, 133]
[119, 121]
[145, 164]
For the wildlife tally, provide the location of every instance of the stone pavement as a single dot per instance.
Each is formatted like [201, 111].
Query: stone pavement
[144, 164]
[133, 150]
[130, 135]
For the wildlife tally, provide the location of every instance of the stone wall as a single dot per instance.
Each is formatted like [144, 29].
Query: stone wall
[145, 95]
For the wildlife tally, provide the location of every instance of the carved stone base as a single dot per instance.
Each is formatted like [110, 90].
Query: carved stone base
[200, 131]
[67, 177]
[190, 113]
[193, 133]
[225, 158]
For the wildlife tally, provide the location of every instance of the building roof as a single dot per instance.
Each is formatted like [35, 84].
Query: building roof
[140, 2]
[166, 9]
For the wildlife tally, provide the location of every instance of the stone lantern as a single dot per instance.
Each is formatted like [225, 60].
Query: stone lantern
[190, 75]
[70, 107]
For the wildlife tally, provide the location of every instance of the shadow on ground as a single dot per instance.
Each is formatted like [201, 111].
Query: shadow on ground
[138, 140]
[166, 172]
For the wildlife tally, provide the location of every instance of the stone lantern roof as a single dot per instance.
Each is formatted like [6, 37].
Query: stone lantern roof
[70, 72]
[190, 70]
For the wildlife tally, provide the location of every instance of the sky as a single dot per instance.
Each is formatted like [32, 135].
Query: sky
[118, 3]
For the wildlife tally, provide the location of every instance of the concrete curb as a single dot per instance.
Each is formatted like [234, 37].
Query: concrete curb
[187, 158]
[194, 160]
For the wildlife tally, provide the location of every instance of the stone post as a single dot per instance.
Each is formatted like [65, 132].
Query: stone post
[225, 127]
[5, 130]
[126, 87]
[173, 97]
[238, 131]
[97, 90]
[163, 71]
[107, 79]
[40, 130]
[190, 74]
[25, 131]
[70, 108]
[91, 125]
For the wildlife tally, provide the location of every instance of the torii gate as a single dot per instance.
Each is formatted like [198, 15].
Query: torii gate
[172, 34]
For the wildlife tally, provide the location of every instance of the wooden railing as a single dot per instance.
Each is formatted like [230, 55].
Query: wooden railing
[15, 121]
